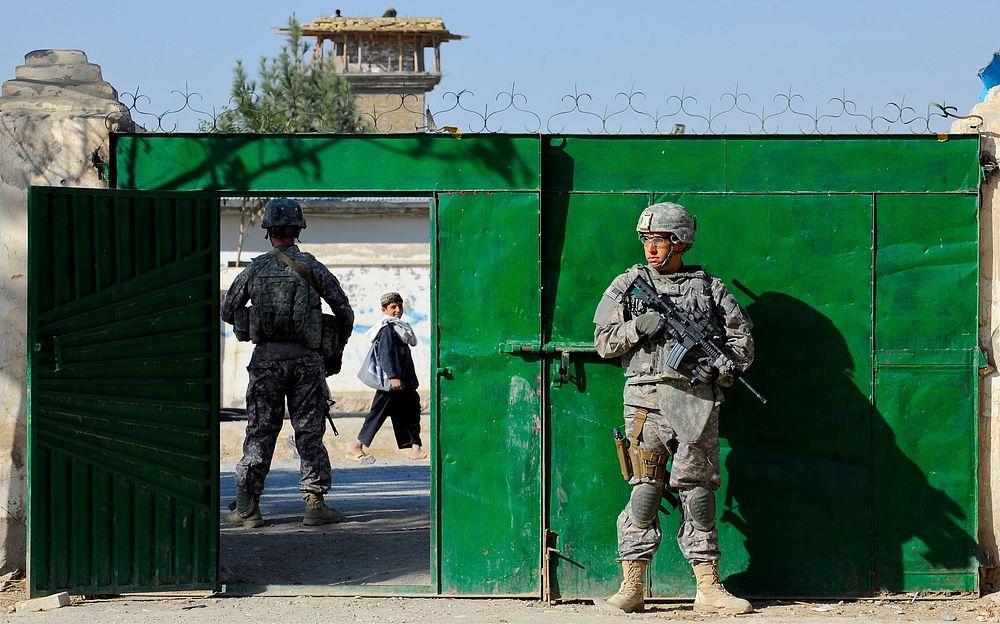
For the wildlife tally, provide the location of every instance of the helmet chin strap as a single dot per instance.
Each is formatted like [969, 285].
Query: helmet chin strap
[666, 260]
[670, 255]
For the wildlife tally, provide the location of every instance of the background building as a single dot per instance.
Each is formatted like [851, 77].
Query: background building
[384, 60]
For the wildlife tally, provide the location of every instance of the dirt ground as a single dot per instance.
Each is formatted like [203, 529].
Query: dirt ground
[384, 541]
[292, 610]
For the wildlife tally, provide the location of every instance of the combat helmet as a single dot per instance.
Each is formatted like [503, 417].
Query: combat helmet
[668, 217]
[283, 212]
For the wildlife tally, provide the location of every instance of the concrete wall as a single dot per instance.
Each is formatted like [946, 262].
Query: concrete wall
[989, 335]
[55, 117]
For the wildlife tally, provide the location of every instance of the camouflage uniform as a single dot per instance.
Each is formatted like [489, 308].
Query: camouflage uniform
[285, 363]
[681, 420]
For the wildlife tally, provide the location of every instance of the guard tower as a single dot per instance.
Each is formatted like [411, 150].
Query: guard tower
[383, 60]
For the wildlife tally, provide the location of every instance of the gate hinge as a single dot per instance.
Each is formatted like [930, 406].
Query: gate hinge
[987, 164]
[550, 586]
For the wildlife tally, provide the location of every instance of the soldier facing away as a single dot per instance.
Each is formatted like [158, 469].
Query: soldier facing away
[665, 413]
[285, 324]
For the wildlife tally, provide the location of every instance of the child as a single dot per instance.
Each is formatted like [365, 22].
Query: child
[401, 402]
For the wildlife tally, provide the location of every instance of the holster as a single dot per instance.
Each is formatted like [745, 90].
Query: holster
[624, 461]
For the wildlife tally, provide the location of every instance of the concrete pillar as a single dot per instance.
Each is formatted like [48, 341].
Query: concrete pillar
[55, 118]
[989, 334]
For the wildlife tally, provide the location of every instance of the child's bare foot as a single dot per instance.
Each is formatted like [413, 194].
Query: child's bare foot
[416, 453]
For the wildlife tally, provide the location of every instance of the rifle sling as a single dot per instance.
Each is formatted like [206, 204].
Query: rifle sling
[295, 266]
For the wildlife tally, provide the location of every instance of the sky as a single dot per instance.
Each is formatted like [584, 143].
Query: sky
[871, 53]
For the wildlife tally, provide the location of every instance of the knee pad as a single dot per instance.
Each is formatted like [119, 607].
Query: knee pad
[699, 507]
[645, 503]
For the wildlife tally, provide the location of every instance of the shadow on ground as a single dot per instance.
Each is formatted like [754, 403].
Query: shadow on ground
[384, 541]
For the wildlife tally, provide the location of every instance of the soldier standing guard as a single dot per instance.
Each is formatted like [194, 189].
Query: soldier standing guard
[285, 323]
[665, 413]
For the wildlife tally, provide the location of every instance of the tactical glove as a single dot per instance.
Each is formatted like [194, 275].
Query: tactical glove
[704, 372]
[651, 325]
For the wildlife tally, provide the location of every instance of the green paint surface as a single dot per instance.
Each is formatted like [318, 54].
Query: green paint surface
[123, 392]
[489, 409]
[356, 163]
[891, 164]
[924, 434]
[924, 422]
[633, 164]
[927, 251]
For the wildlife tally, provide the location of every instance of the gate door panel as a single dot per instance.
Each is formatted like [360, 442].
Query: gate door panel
[771, 458]
[122, 391]
[489, 428]
[587, 241]
[926, 385]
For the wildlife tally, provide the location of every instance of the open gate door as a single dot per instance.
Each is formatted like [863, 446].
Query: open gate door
[123, 391]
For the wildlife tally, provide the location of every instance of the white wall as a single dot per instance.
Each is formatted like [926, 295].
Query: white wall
[989, 335]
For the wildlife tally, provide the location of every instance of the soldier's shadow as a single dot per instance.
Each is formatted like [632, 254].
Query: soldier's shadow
[823, 500]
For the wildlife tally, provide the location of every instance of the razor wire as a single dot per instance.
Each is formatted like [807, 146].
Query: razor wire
[626, 112]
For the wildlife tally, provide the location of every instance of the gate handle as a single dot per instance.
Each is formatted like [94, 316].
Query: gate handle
[564, 367]
[57, 351]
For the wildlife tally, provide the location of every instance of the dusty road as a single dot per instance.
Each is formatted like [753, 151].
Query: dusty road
[296, 610]
[384, 541]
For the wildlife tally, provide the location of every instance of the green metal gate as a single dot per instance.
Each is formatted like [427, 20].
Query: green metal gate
[857, 260]
[856, 257]
[122, 391]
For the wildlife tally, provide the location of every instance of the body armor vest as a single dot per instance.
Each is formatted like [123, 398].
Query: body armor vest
[284, 307]
[689, 289]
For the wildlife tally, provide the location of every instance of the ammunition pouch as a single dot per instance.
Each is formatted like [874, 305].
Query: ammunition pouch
[331, 347]
[329, 341]
[241, 324]
[648, 465]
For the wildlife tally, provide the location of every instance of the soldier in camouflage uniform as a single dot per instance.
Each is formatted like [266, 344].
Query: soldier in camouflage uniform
[665, 414]
[285, 324]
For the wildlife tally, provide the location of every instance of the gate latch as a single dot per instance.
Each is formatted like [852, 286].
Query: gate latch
[564, 367]
[563, 349]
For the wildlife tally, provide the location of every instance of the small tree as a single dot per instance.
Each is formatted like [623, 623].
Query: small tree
[294, 94]
[251, 210]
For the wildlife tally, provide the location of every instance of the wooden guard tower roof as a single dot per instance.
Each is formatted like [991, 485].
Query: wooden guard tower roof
[329, 27]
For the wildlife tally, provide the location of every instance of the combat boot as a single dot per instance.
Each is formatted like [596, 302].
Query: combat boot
[317, 512]
[631, 595]
[245, 511]
[712, 597]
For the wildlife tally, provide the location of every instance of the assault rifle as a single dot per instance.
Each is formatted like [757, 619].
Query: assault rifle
[689, 330]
